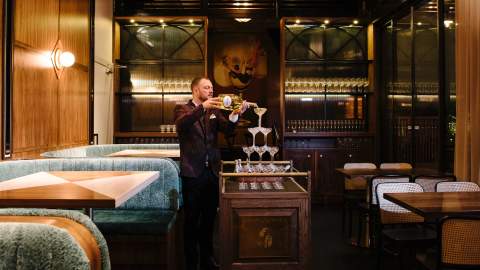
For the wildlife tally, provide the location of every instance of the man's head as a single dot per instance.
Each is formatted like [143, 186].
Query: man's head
[202, 88]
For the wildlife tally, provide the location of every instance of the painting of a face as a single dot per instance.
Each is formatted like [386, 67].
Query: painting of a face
[239, 62]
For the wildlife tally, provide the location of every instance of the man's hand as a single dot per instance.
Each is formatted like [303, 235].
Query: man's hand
[242, 108]
[212, 103]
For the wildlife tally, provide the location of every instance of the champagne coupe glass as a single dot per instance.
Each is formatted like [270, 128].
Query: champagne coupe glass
[254, 131]
[248, 150]
[260, 112]
[260, 150]
[272, 150]
[265, 132]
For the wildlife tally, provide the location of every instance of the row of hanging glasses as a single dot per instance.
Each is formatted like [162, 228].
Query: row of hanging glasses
[325, 125]
[334, 85]
[421, 88]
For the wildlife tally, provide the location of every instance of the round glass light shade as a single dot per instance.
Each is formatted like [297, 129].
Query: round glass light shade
[67, 59]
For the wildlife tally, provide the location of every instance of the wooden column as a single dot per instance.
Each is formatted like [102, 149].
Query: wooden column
[467, 144]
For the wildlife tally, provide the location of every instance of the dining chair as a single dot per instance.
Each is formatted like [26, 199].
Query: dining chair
[428, 182]
[399, 230]
[459, 242]
[396, 166]
[369, 210]
[456, 187]
[354, 192]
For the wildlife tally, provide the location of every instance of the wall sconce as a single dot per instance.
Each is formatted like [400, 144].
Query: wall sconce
[61, 59]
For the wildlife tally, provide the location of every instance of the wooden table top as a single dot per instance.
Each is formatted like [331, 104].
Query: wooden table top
[349, 173]
[437, 204]
[149, 153]
[74, 189]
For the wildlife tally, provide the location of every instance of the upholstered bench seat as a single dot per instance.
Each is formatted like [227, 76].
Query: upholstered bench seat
[50, 239]
[135, 222]
[146, 222]
[102, 150]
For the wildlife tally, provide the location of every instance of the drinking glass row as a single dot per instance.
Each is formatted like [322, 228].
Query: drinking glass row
[312, 85]
[326, 125]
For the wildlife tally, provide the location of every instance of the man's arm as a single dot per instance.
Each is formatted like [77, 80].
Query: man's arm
[184, 118]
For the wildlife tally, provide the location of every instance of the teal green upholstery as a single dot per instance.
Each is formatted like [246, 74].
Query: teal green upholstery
[144, 222]
[102, 150]
[163, 193]
[162, 197]
[42, 246]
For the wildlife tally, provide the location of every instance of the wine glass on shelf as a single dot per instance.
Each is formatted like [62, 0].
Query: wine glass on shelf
[260, 112]
[254, 131]
[265, 132]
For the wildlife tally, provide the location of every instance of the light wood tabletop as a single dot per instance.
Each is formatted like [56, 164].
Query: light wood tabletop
[149, 153]
[433, 205]
[74, 189]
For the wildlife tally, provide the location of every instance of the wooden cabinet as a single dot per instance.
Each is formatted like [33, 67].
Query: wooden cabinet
[321, 156]
[264, 229]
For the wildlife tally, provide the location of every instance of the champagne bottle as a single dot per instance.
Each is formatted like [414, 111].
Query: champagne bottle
[232, 102]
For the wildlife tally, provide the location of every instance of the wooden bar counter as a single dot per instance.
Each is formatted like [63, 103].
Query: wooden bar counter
[265, 226]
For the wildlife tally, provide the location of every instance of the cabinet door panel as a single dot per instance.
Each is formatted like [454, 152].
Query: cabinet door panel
[327, 186]
[303, 160]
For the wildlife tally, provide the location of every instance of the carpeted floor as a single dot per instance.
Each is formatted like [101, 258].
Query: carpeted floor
[330, 250]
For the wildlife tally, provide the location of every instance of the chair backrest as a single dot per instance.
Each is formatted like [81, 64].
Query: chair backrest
[352, 166]
[379, 179]
[456, 187]
[396, 166]
[391, 213]
[428, 182]
[460, 242]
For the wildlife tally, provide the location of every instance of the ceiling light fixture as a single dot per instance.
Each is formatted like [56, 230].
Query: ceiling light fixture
[132, 20]
[243, 20]
[355, 21]
[161, 21]
[297, 21]
[326, 21]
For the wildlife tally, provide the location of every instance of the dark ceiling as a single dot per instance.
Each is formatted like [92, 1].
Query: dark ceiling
[363, 9]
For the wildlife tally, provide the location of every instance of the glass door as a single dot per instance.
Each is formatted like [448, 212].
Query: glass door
[426, 85]
[398, 84]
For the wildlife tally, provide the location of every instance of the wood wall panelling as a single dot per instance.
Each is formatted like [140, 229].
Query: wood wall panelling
[36, 23]
[73, 107]
[34, 107]
[1, 79]
[74, 29]
[49, 112]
